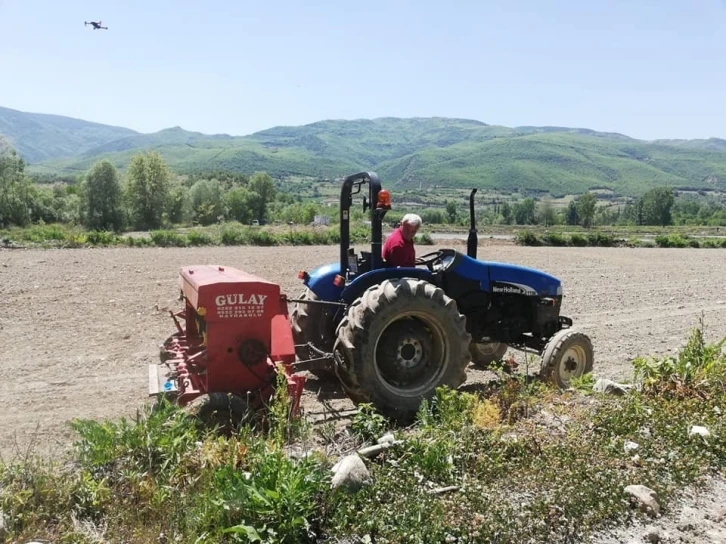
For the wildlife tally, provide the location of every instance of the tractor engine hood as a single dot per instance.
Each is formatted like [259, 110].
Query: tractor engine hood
[503, 278]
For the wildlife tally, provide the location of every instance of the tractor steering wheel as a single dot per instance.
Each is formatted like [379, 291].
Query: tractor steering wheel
[429, 259]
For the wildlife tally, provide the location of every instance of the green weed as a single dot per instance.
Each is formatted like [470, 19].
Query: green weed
[167, 238]
[515, 461]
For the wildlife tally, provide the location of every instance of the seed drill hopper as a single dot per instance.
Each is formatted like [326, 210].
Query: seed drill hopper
[233, 342]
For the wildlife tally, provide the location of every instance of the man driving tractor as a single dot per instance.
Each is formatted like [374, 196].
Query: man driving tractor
[398, 249]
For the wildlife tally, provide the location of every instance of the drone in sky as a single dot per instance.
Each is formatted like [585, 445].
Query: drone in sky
[96, 26]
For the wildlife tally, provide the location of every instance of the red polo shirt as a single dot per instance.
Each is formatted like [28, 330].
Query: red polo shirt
[397, 251]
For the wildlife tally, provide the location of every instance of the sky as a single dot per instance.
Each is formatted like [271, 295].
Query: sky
[646, 68]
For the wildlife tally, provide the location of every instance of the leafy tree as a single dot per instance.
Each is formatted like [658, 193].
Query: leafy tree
[657, 204]
[149, 181]
[451, 211]
[206, 198]
[103, 198]
[586, 208]
[179, 204]
[15, 189]
[571, 216]
[524, 212]
[547, 213]
[507, 215]
[432, 217]
[239, 205]
[261, 184]
[227, 180]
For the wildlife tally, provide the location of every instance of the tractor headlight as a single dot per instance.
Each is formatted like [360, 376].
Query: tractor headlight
[559, 290]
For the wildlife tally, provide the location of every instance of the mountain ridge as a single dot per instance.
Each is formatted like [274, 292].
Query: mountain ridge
[414, 151]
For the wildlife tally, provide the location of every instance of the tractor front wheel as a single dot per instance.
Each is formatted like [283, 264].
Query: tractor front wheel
[398, 343]
[568, 354]
[484, 354]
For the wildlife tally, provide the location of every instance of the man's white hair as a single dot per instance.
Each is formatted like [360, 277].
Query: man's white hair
[412, 219]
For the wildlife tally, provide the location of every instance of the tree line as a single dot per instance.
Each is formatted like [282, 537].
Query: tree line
[656, 207]
[150, 196]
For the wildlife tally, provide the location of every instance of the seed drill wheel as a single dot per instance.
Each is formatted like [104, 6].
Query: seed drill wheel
[313, 323]
[400, 341]
[568, 354]
[224, 411]
[483, 354]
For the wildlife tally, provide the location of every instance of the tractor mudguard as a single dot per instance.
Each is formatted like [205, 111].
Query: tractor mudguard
[356, 288]
[321, 282]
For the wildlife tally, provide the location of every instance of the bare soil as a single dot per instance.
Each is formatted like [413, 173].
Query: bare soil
[79, 326]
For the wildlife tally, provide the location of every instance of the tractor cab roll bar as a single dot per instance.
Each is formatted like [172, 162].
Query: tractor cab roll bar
[379, 202]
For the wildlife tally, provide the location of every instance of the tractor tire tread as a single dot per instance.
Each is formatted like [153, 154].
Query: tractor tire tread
[301, 323]
[355, 328]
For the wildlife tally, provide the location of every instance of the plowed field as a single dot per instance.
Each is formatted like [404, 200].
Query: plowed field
[78, 327]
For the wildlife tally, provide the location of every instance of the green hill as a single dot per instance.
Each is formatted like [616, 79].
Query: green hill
[38, 136]
[407, 153]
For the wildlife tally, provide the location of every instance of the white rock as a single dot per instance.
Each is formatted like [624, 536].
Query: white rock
[387, 438]
[647, 498]
[603, 385]
[630, 446]
[372, 451]
[700, 431]
[350, 472]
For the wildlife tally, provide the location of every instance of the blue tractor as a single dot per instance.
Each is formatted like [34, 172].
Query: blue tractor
[393, 335]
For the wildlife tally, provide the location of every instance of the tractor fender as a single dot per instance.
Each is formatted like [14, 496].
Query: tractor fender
[321, 282]
[358, 286]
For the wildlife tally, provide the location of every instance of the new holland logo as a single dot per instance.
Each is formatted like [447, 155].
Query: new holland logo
[513, 289]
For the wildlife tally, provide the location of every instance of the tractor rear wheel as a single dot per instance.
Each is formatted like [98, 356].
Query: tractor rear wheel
[568, 354]
[225, 411]
[313, 323]
[483, 354]
[400, 341]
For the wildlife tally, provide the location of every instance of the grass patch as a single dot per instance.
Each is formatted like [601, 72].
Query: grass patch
[227, 234]
[605, 239]
[526, 462]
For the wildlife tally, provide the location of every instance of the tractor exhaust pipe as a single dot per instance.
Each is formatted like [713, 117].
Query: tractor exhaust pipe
[473, 241]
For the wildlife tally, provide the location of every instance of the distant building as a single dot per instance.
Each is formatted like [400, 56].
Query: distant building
[321, 220]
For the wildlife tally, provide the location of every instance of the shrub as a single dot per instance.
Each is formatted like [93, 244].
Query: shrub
[101, 238]
[233, 236]
[555, 239]
[528, 238]
[697, 367]
[600, 239]
[167, 238]
[262, 238]
[198, 237]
